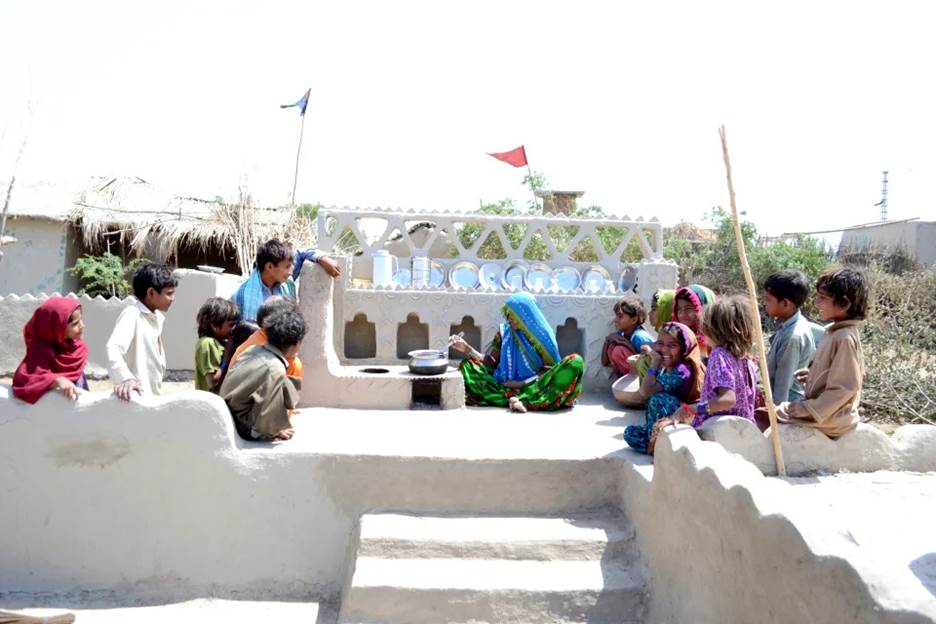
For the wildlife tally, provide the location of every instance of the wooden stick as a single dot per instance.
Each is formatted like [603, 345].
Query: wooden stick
[755, 312]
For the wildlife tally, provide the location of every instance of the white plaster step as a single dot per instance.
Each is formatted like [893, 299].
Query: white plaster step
[483, 590]
[201, 610]
[545, 539]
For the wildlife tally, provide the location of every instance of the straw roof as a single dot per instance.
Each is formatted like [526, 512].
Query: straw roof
[158, 223]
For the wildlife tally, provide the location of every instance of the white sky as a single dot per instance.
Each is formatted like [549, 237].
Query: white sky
[619, 99]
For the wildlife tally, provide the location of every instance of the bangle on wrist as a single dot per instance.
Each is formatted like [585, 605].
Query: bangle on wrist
[701, 408]
[652, 371]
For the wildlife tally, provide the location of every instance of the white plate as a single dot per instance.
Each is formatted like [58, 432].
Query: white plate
[491, 276]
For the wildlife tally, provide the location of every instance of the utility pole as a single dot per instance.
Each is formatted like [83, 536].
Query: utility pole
[883, 202]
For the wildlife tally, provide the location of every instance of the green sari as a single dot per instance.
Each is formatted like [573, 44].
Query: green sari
[555, 389]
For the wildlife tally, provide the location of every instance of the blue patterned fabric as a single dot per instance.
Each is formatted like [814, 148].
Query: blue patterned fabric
[252, 293]
[526, 350]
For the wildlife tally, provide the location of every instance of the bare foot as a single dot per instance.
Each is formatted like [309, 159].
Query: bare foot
[285, 434]
[517, 405]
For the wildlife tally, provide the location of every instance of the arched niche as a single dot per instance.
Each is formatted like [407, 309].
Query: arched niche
[411, 335]
[360, 338]
[472, 336]
[571, 339]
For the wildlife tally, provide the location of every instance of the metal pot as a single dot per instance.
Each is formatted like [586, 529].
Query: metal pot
[428, 362]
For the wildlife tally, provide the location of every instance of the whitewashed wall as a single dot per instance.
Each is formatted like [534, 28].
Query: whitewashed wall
[35, 263]
[179, 334]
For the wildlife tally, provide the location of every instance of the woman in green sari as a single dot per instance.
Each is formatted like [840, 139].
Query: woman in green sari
[522, 369]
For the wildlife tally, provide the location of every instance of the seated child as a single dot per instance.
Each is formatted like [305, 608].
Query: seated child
[271, 306]
[257, 390]
[730, 376]
[136, 361]
[675, 376]
[661, 307]
[792, 346]
[55, 353]
[629, 317]
[688, 305]
[216, 320]
[833, 380]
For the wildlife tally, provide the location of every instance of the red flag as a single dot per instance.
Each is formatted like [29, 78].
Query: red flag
[515, 157]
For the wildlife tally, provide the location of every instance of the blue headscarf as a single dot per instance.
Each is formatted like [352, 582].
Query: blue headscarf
[526, 350]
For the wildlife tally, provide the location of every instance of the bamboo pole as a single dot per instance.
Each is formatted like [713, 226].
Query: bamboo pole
[755, 313]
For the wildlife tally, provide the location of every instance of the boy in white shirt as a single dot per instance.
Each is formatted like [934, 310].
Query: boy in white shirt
[136, 361]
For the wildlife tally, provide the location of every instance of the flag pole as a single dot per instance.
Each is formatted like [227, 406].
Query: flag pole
[755, 313]
[298, 150]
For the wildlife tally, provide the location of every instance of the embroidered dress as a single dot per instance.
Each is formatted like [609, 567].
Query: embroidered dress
[724, 370]
[519, 355]
[675, 382]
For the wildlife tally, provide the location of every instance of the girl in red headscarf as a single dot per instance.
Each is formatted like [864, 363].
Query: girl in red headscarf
[55, 352]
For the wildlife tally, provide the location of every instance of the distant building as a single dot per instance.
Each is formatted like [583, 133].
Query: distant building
[49, 227]
[917, 239]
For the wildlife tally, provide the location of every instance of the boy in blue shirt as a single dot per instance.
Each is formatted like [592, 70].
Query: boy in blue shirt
[630, 337]
[793, 345]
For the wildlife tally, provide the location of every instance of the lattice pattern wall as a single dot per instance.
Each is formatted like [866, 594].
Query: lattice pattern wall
[564, 238]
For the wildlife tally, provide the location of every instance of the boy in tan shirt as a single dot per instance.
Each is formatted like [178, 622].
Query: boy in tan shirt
[833, 380]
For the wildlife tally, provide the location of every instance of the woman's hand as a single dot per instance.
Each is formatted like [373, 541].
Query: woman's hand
[655, 358]
[646, 350]
[663, 422]
[68, 389]
[459, 344]
[801, 375]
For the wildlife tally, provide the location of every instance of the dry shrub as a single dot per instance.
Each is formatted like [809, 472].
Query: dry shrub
[899, 341]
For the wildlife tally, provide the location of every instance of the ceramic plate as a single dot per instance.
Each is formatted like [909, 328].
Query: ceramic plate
[464, 275]
[491, 276]
[403, 278]
[596, 280]
[567, 279]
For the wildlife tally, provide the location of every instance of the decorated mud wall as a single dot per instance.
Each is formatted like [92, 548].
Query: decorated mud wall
[100, 314]
[723, 543]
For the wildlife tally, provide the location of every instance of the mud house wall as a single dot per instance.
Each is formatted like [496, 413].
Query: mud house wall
[36, 262]
[156, 497]
[723, 543]
[179, 333]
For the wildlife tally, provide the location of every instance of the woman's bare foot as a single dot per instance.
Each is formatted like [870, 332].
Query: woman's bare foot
[517, 405]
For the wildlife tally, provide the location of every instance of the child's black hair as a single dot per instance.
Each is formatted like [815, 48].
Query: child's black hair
[275, 251]
[271, 306]
[847, 286]
[631, 305]
[788, 284]
[285, 329]
[216, 311]
[152, 275]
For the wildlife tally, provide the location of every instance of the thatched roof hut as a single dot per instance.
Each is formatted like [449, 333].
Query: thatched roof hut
[152, 222]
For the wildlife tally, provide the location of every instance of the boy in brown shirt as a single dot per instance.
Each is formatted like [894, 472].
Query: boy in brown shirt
[833, 380]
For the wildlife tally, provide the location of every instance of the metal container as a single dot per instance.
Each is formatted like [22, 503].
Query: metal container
[428, 362]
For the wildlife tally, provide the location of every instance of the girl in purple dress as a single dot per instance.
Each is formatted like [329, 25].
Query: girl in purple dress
[730, 383]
